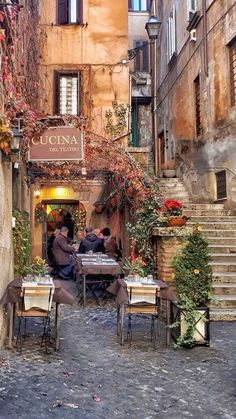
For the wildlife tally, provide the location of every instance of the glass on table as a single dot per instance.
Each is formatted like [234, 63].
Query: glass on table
[130, 278]
[150, 279]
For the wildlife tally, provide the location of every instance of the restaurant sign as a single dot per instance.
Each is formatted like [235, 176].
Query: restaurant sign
[57, 143]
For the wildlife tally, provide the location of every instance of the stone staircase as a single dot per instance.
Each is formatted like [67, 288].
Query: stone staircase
[219, 227]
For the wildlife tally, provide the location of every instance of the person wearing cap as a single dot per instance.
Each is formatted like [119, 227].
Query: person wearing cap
[62, 252]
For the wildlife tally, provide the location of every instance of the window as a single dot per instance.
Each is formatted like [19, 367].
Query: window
[139, 5]
[69, 12]
[171, 35]
[142, 59]
[191, 9]
[198, 106]
[67, 93]
[232, 60]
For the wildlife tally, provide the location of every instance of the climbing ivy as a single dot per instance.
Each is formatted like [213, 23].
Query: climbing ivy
[116, 119]
[21, 243]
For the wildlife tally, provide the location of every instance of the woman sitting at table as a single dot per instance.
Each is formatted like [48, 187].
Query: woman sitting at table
[62, 252]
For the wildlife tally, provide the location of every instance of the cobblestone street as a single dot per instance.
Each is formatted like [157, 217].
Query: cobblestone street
[92, 377]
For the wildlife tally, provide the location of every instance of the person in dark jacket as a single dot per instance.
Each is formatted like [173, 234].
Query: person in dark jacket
[62, 253]
[91, 242]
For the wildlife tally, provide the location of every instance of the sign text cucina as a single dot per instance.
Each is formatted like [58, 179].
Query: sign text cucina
[60, 143]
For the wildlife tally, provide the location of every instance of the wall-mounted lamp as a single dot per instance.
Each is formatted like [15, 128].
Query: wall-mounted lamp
[15, 142]
[152, 27]
[37, 193]
[84, 171]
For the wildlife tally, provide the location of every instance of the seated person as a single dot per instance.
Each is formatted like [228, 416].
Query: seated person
[62, 253]
[91, 242]
[111, 247]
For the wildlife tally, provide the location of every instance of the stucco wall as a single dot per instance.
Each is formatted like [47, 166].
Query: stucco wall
[94, 48]
[6, 251]
[176, 98]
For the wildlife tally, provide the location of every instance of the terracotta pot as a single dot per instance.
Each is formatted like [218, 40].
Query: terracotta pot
[176, 222]
[169, 173]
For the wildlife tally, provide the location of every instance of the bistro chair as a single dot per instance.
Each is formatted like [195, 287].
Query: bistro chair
[36, 302]
[142, 300]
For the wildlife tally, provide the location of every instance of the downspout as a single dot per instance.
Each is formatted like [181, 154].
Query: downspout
[205, 45]
[154, 98]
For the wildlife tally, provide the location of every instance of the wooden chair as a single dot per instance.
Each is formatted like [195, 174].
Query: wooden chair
[36, 302]
[141, 300]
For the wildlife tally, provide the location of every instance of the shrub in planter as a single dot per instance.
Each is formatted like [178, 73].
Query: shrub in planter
[193, 276]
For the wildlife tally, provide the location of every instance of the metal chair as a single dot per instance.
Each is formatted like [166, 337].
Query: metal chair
[36, 302]
[142, 300]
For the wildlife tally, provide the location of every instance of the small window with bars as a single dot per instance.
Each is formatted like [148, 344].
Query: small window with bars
[221, 185]
[139, 5]
[198, 116]
[67, 93]
[70, 12]
[232, 61]
[142, 58]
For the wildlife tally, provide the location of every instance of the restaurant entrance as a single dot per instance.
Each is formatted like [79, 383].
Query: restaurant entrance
[68, 213]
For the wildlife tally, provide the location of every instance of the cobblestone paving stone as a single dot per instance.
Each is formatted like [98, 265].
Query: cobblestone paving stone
[92, 377]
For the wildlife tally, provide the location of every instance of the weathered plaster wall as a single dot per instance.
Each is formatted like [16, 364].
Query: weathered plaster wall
[94, 48]
[6, 250]
[215, 148]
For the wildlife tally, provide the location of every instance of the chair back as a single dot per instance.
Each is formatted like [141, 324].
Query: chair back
[141, 293]
[37, 296]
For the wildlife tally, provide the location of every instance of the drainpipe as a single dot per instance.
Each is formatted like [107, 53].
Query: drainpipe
[154, 98]
[205, 45]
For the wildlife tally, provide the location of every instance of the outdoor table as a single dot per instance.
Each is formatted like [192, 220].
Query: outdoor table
[92, 267]
[12, 296]
[119, 289]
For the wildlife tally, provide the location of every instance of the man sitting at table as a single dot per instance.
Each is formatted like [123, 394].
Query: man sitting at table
[91, 242]
[62, 252]
[111, 248]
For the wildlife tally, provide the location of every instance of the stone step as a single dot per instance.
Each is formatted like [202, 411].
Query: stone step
[224, 301]
[219, 232]
[228, 241]
[218, 248]
[220, 314]
[224, 277]
[225, 288]
[213, 207]
[201, 212]
[223, 266]
[223, 257]
[214, 218]
[221, 225]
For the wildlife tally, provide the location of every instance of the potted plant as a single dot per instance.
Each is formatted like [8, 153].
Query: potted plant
[173, 210]
[193, 277]
[38, 267]
[134, 265]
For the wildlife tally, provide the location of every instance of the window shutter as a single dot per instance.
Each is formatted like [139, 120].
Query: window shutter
[62, 11]
[148, 5]
[145, 50]
[137, 62]
[130, 5]
[80, 12]
[56, 92]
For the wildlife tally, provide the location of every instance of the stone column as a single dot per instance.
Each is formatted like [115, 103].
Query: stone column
[167, 241]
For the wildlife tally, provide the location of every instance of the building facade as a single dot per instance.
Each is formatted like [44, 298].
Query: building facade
[140, 140]
[81, 75]
[196, 87]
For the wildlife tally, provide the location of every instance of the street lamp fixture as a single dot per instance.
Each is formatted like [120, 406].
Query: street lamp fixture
[15, 142]
[152, 27]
